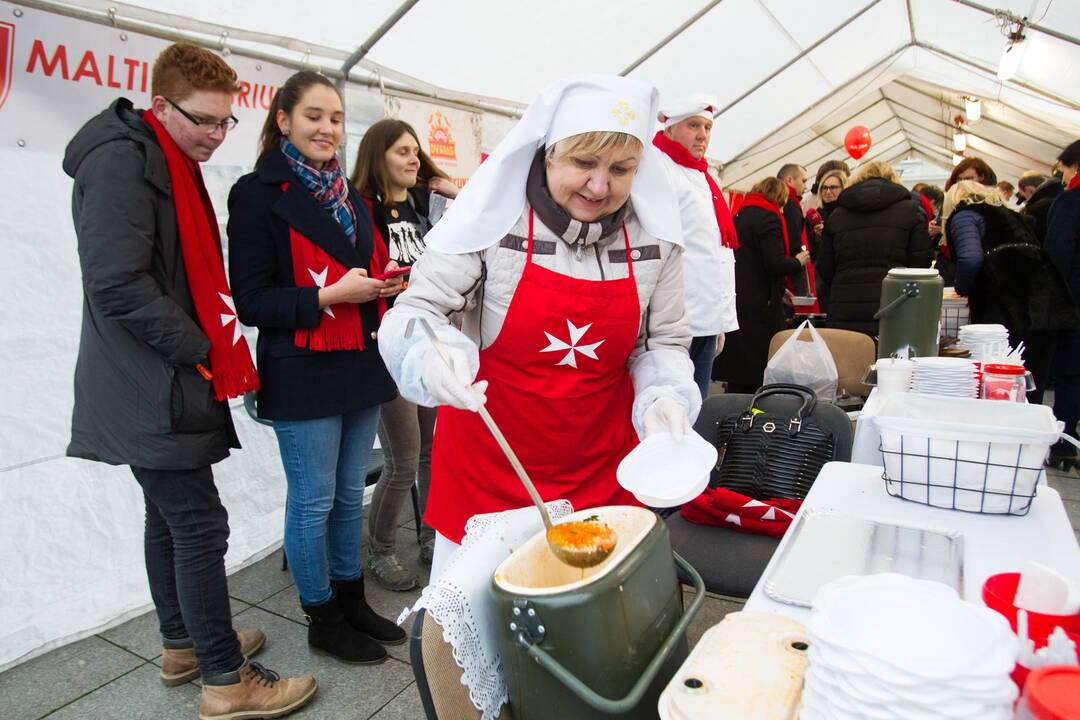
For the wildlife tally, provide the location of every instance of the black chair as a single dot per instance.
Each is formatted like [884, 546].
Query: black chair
[731, 561]
[376, 462]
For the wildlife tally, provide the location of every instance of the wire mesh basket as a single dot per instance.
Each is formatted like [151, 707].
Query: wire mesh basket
[930, 472]
[980, 456]
[954, 315]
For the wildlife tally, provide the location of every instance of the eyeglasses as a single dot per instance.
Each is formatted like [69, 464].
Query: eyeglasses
[209, 125]
[831, 188]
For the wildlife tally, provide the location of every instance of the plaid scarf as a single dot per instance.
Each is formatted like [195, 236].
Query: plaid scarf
[328, 186]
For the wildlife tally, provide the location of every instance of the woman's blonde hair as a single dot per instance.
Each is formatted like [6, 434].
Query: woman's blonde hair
[593, 143]
[971, 192]
[774, 190]
[875, 169]
[837, 173]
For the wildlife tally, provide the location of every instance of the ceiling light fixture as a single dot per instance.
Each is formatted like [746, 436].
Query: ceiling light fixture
[1012, 27]
[959, 141]
[957, 159]
[972, 108]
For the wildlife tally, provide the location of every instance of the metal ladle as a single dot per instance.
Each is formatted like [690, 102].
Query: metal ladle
[579, 556]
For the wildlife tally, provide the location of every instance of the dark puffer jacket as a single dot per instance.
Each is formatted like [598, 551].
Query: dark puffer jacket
[876, 228]
[138, 398]
[1038, 206]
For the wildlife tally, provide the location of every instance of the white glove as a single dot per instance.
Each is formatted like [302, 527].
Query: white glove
[667, 415]
[453, 387]
[720, 343]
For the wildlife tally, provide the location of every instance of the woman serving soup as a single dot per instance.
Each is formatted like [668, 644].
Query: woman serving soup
[563, 254]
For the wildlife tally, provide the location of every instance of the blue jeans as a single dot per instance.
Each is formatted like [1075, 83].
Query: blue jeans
[325, 464]
[702, 354]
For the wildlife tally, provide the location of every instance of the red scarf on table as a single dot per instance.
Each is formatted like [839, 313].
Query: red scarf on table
[340, 327]
[682, 157]
[811, 280]
[1075, 182]
[727, 508]
[231, 370]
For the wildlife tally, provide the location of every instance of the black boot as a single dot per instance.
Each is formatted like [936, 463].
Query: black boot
[330, 632]
[360, 615]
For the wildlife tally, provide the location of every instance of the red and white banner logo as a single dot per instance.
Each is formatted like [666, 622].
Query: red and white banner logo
[7, 59]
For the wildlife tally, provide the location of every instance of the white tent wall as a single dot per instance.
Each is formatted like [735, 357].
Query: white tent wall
[71, 530]
[791, 77]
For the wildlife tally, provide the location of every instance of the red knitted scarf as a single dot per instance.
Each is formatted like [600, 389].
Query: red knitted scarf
[682, 157]
[233, 373]
[340, 327]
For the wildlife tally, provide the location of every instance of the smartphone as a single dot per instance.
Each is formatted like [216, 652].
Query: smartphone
[393, 273]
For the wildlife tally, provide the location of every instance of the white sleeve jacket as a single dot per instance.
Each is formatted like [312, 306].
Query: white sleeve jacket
[708, 267]
[481, 284]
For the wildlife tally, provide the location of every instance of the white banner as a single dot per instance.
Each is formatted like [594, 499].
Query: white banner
[449, 135]
[58, 72]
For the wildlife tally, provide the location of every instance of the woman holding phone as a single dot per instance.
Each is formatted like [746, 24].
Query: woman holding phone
[303, 256]
[399, 181]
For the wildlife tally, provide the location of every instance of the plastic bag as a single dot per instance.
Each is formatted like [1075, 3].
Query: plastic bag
[804, 363]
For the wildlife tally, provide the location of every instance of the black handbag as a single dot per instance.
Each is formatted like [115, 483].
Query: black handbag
[767, 455]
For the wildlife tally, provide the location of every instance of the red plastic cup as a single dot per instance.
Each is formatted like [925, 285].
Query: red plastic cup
[999, 593]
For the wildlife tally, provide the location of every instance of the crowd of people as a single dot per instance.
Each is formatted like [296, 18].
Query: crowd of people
[591, 274]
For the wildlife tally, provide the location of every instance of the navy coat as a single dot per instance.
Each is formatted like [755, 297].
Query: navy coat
[297, 383]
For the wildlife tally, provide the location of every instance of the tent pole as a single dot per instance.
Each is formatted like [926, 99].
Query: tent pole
[797, 58]
[859, 77]
[1045, 94]
[818, 136]
[954, 108]
[1027, 25]
[671, 36]
[356, 57]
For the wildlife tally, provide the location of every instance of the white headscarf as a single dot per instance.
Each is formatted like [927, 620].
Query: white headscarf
[494, 198]
[688, 106]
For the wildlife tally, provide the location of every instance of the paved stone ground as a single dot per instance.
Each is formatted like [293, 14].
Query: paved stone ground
[114, 674]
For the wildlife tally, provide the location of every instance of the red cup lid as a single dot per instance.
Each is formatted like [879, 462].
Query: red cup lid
[1053, 693]
[1004, 369]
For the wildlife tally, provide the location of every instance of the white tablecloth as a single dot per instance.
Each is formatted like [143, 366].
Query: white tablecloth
[992, 543]
[864, 448]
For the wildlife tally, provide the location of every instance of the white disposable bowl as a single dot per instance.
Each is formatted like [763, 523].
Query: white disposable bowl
[664, 472]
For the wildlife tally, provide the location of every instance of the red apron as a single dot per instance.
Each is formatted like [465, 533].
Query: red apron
[559, 390]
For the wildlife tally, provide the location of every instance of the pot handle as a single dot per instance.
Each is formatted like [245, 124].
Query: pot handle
[910, 290]
[628, 701]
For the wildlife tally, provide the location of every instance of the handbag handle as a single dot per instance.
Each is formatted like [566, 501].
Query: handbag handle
[809, 401]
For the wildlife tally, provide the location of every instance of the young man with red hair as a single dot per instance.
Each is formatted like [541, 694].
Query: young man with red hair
[158, 360]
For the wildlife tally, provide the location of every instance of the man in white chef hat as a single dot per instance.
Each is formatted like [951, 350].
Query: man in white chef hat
[563, 255]
[709, 238]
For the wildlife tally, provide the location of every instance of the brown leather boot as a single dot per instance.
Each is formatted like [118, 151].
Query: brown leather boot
[253, 692]
[178, 665]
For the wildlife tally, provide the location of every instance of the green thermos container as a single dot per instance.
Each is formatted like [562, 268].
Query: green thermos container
[599, 643]
[910, 313]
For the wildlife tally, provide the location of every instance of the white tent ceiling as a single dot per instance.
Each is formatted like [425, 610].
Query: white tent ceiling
[792, 76]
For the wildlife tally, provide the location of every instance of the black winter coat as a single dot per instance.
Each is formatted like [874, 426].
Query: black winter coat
[760, 267]
[1038, 206]
[876, 228]
[138, 398]
[297, 383]
[1063, 246]
[1018, 284]
[796, 222]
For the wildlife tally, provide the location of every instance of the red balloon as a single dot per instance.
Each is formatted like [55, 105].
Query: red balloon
[857, 141]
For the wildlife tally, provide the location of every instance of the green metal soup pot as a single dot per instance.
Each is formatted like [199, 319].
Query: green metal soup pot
[600, 642]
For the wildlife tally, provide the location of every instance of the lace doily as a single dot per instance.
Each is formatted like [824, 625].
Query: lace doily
[459, 602]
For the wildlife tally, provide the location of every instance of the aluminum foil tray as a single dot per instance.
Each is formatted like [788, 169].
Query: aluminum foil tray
[825, 545]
